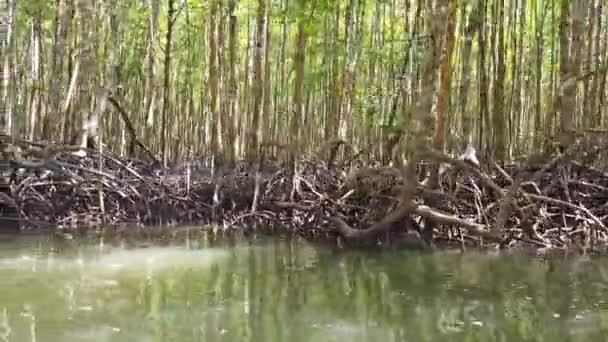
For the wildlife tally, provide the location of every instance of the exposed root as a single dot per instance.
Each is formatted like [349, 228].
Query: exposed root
[560, 204]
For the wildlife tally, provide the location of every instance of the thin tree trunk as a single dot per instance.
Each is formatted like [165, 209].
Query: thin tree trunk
[35, 76]
[537, 133]
[299, 60]
[233, 85]
[333, 119]
[7, 50]
[483, 76]
[499, 117]
[150, 93]
[597, 60]
[166, 81]
[56, 85]
[258, 83]
[470, 31]
[214, 90]
[281, 102]
[266, 117]
[590, 23]
[567, 72]
[86, 58]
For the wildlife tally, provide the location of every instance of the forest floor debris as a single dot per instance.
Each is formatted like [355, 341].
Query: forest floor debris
[560, 204]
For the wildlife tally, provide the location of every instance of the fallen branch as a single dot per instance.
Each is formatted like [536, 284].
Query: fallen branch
[130, 128]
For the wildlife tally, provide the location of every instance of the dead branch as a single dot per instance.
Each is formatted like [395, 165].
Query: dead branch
[130, 128]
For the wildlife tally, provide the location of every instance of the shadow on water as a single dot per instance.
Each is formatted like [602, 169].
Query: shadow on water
[288, 290]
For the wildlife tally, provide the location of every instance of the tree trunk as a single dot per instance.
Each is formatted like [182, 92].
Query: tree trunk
[166, 81]
[333, 118]
[258, 83]
[35, 76]
[483, 76]
[445, 76]
[150, 93]
[56, 85]
[86, 56]
[498, 116]
[233, 84]
[299, 60]
[470, 31]
[567, 95]
[6, 67]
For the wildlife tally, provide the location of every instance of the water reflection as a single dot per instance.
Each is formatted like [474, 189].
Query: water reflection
[292, 291]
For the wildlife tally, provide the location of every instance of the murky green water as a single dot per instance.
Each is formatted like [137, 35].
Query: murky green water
[291, 291]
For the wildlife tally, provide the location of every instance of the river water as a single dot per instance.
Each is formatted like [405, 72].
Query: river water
[279, 290]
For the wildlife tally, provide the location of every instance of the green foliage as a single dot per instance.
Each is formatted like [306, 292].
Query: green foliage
[377, 55]
[41, 8]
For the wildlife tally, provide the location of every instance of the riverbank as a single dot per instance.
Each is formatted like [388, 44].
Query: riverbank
[557, 204]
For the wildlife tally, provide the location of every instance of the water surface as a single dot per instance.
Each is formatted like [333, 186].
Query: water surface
[277, 290]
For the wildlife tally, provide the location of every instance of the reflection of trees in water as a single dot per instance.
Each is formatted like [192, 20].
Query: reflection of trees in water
[284, 292]
[290, 291]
